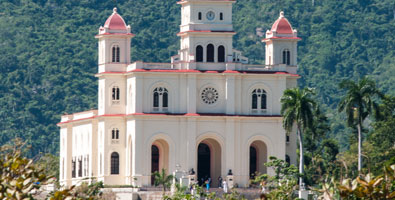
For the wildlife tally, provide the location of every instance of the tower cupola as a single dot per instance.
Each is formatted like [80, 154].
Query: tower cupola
[281, 43]
[114, 44]
[115, 24]
[282, 26]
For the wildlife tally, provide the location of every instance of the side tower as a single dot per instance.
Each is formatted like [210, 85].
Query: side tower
[281, 43]
[206, 31]
[114, 56]
[281, 53]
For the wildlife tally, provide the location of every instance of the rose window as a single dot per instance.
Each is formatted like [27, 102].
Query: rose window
[209, 95]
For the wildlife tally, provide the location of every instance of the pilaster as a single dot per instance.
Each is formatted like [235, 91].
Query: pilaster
[139, 94]
[191, 144]
[191, 90]
[139, 155]
[230, 94]
[231, 154]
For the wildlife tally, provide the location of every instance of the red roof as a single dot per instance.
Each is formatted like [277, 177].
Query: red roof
[115, 22]
[282, 25]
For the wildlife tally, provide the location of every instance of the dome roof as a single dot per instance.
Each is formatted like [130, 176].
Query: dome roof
[282, 25]
[115, 21]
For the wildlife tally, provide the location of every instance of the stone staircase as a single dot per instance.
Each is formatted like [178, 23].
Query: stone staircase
[248, 193]
[155, 193]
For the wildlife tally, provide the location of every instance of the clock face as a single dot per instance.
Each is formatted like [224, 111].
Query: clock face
[210, 15]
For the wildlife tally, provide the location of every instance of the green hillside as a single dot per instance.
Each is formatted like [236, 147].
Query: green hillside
[48, 53]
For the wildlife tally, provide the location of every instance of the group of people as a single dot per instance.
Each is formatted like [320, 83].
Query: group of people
[208, 182]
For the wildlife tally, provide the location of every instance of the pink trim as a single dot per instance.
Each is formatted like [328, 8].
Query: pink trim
[166, 70]
[283, 38]
[206, 31]
[199, 114]
[169, 114]
[129, 34]
[201, 71]
[111, 73]
[112, 115]
[185, 1]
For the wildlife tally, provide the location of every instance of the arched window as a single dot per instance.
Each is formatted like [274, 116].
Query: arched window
[115, 54]
[115, 93]
[199, 53]
[160, 99]
[221, 54]
[286, 57]
[114, 163]
[221, 16]
[258, 100]
[210, 53]
[200, 15]
[115, 134]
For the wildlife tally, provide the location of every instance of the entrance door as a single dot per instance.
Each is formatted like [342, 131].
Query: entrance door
[154, 162]
[253, 162]
[203, 170]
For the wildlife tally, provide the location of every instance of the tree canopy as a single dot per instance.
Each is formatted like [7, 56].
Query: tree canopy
[48, 54]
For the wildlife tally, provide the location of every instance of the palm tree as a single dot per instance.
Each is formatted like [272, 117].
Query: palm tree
[297, 109]
[359, 104]
[162, 179]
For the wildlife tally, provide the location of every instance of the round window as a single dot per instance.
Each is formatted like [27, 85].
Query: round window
[209, 95]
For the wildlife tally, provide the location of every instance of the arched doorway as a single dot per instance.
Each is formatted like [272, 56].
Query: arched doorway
[159, 157]
[257, 158]
[203, 162]
[209, 161]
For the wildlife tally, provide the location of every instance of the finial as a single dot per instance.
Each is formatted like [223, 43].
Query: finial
[282, 14]
[114, 10]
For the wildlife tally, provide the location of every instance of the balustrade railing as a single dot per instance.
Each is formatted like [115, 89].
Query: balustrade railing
[213, 66]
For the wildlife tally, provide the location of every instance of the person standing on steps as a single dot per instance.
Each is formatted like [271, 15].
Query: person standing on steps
[208, 182]
[225, 186]
[220, 182]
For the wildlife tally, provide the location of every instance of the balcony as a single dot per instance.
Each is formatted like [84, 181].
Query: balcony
[212, 66]
[149, 66]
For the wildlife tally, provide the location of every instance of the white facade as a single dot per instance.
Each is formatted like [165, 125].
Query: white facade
[206, 110]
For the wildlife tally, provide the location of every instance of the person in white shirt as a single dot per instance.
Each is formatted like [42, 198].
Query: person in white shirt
[225, 186]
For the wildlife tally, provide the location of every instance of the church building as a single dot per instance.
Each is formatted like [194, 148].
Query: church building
[207, 111]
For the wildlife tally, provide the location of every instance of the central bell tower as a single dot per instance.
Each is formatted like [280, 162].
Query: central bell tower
[206, 31]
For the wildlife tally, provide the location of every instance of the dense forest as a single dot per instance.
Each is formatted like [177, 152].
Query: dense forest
[48, 54]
